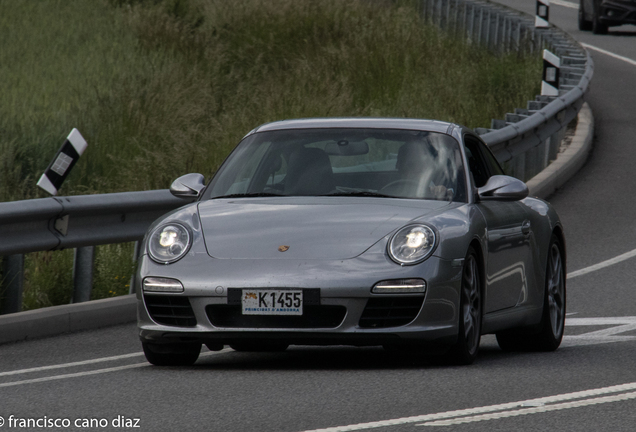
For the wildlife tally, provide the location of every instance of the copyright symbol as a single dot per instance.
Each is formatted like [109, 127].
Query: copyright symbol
[1, 421]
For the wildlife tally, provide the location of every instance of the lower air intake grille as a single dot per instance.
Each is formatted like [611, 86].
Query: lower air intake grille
[390, 311]
[230, 316]
[170, 310]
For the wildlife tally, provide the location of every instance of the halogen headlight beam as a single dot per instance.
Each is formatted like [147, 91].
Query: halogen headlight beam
[169, 243]
[412, 244]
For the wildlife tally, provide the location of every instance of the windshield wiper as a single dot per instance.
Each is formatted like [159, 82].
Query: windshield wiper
[248, 195]
[360, 194]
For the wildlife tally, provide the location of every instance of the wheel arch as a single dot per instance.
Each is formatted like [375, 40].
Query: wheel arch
[481, 260]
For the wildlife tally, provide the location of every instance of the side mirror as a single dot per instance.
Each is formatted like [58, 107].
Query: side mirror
[188, 186]
[503, 188]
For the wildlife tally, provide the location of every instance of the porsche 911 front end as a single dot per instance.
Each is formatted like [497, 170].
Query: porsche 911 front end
[313, 235]
[346, 232]
[280, 293]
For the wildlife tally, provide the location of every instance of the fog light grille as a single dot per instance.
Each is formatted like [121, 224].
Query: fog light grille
[170, 310]
[381, 312]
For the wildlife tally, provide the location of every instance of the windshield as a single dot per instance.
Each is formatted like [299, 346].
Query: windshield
[341, 162]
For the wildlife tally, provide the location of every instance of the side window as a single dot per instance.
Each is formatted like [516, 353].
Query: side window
[476, 163]
[491, 161]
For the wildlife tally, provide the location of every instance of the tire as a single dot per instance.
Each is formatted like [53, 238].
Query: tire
[171, 354]
[597, 26]
[550, 333]
[259, 346]
[583, 24]
[465, 350]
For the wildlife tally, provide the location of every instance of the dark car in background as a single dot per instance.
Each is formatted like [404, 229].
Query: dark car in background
[598, 15]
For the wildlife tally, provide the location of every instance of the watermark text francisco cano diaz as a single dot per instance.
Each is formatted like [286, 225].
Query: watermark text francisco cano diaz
[46, 422]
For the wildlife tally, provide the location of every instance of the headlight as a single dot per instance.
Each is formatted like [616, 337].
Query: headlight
[169, 243]
[412, 244]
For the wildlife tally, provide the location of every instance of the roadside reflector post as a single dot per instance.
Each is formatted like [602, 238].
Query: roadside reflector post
[83, 274]
[11, 285]
[550, 81]
[542, 19]
[61, 165]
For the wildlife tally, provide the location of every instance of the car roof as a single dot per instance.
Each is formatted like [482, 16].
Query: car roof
[358, 122]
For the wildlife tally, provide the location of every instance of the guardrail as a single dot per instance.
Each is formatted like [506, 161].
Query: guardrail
[525, 142]
[80, 222]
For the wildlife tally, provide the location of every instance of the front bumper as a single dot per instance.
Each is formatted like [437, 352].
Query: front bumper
[341, 316]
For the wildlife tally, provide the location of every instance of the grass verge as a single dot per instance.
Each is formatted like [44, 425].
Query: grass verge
[160, 88]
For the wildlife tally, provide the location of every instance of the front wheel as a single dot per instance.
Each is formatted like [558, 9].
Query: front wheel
[597, 26]
[552, 325]
[171, 354]
[465, 350]
[583, 24]
[553, 321]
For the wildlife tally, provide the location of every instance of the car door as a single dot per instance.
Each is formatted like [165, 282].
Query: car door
[508, 230]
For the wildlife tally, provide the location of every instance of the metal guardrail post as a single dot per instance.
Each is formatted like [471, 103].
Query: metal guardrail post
[466, 23]
[12, 284]
[472, 24]
[136, 254]
[481, 26]
[456, 17]
[488, 25]
[83, 273]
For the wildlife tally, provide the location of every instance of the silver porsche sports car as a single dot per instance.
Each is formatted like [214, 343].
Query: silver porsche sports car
[400, 233]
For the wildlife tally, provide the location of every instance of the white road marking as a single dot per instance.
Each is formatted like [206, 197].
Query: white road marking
[609, 53]
[608, 335]
[65, 365]
[566, 4]
[74, 375]
[535, 410]
[95, 372]
[538, 403]
[602, 265]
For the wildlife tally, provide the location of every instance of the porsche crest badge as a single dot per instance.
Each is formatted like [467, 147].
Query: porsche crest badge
[283, 248]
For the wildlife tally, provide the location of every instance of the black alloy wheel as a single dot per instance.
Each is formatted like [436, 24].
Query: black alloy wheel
[550, 333]
[597, 26]
[553, 322]
[584, 25]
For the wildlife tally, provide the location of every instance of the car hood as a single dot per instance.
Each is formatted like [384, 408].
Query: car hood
[330, 228]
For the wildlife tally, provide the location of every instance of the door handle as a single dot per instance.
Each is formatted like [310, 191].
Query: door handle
[525, 227]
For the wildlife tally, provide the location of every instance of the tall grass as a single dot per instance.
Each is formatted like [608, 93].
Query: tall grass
[160, 88]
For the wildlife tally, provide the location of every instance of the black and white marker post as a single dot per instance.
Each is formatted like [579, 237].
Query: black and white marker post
[550, 82]
[64, 160]
[542, 19]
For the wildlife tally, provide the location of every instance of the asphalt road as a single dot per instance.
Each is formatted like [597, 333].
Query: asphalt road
[102, 377]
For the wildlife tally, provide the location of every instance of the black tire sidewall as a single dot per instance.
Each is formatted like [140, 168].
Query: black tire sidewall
[548, 340]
